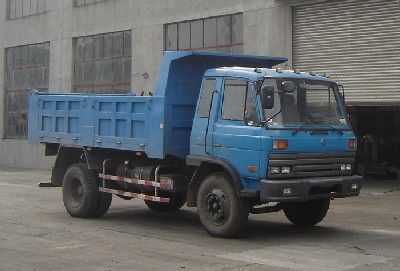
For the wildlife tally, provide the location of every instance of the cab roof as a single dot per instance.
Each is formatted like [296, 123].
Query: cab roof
[255, 74]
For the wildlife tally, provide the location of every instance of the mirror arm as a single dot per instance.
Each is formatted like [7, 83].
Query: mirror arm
[343, 93]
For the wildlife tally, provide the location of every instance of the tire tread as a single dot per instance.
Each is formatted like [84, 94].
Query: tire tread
[238, 220]
[95, 203]
[307, 214]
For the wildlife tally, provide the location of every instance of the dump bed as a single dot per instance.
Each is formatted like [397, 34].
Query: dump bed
[158, 125]
[104, 121]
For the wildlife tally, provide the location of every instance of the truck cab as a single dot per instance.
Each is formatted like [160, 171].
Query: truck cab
[286, 133]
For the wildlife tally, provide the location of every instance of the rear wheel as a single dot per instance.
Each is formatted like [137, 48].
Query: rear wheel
[103, 204]
[81, 194]
[307, 213]
[174, 205]
[221, 211]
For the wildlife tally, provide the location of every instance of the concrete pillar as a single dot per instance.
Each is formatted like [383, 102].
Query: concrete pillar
[2, 93]
[3, 15]
[147, 52]
[61, 61]
[267, 31]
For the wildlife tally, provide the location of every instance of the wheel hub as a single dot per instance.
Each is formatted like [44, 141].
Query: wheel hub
[217, 205]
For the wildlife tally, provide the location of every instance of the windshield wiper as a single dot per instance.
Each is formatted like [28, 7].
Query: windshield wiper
[305, 124]
[300, 128]
[340, 131]
[270, 118]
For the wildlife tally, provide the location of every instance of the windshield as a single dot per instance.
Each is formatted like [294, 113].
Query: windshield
[312, 102]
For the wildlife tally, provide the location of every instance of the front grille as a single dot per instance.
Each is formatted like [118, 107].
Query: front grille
[311, 165]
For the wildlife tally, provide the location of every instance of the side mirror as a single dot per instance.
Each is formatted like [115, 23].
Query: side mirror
[289, 86]
[268, 97]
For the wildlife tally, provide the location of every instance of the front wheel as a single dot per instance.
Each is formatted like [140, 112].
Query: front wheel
[307, 213]
[221, 211]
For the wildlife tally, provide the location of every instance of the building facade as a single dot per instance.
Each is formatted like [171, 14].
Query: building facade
[116, 46]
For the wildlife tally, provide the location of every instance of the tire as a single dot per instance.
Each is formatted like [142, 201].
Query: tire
[221, 211]
[307, 214]
[174, 205]
[104, 204]
[81, 194]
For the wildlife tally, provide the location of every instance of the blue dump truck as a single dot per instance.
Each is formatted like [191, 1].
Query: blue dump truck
[224, 133]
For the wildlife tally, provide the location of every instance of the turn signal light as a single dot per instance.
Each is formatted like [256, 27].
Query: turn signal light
[352, 144]
[252, 168]
[280, 144]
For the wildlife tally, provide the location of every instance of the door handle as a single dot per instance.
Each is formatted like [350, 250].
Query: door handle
[217, 145]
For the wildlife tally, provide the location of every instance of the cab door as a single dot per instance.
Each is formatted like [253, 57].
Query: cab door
[236, 135]
[204, 119]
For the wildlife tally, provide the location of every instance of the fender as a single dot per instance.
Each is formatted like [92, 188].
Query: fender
[93, 158]
[199, 161]
[66, 156]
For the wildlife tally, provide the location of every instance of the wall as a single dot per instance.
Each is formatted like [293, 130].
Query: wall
[267, 31]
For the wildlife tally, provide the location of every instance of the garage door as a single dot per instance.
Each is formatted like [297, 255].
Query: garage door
[356, 42]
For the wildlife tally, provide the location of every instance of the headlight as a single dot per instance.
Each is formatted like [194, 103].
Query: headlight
[275, 170]
[286, 170]
[344, 167]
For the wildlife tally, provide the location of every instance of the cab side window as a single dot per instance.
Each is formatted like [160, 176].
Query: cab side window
[208, 88]
[234, 99]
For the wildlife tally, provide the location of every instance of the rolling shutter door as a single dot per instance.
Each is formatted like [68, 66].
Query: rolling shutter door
[356, 43]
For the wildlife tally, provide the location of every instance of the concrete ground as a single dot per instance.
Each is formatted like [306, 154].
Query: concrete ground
[36, 233]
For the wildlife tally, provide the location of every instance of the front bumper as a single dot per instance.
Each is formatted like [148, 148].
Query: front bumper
[309, 188]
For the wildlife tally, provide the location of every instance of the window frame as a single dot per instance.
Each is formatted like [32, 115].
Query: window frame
[221, 116]
[201, 95]
[76, 3]
[18, 91]
[41, 8]
[99, 59]
[251, 89]
[235, 44]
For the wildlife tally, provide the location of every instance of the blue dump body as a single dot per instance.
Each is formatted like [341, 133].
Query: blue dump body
[159, 125]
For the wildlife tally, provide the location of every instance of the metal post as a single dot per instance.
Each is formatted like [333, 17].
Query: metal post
[104, 170]
[156, 179]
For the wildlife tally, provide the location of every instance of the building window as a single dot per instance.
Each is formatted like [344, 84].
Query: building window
[78, 3]
[103, 63]
[27, 67]
[24, 8]
[223, 33]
